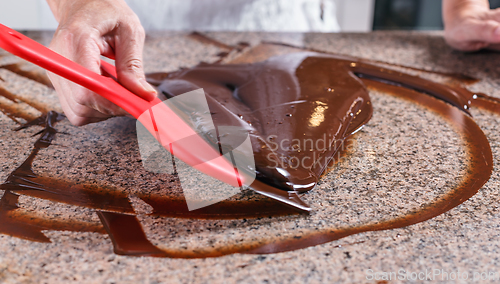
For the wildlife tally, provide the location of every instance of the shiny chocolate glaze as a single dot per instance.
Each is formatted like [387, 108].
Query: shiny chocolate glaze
[304, 96]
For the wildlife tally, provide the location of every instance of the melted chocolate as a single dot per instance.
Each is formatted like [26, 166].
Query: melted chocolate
[37, 75]
[24, 180]
[462, 78]
[210, 41]
[114, 209]
[479, 172]
[127, 235]
[10, 110]
[310, 94]
[298, 110]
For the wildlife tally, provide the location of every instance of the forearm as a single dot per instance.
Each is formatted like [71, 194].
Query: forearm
[56, 7]
[63, 8]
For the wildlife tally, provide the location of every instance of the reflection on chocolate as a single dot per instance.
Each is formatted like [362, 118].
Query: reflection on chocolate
[302, 96]
[298, 109]
[486, 102]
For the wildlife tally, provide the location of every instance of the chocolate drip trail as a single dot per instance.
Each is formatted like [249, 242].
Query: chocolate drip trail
[37, 75]
[13, 222]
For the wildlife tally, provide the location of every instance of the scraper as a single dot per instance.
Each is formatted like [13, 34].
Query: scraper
[203, 157]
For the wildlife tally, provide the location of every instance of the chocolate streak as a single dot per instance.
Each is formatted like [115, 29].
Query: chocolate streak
[114, 209]
[302, 95]
[36, 74]
[9, 108]
[23, 181]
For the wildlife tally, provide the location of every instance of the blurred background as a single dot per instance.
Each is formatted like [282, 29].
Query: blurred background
[254, 15]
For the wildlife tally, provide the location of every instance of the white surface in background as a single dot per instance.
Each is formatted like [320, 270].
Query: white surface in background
[355, 15]
[234, 15]
[237, 15]
[27, 15]
[289, 15]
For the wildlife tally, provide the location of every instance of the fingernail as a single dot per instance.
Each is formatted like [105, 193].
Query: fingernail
[149, 89]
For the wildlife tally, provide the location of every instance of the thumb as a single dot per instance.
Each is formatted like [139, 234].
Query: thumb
[129, 43]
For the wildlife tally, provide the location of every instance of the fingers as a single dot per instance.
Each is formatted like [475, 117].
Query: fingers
[80, 105]
[87, 54]
[473, 34]
[79, 115]
[129, 44]
[471, 25]
[87, 30]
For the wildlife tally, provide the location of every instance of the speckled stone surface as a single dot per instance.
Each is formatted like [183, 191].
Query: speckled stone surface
[405, 157]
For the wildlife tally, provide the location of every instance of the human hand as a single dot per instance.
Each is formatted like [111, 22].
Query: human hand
[471, 25]
[88, 29]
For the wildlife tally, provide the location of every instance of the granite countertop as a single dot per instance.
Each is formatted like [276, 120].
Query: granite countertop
[406, 157]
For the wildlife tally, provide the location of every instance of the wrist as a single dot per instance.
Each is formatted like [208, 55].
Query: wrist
[63, 10]
[57, 6]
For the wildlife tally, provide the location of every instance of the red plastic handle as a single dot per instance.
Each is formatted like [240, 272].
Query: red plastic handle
[169, 131]
[24, 47]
